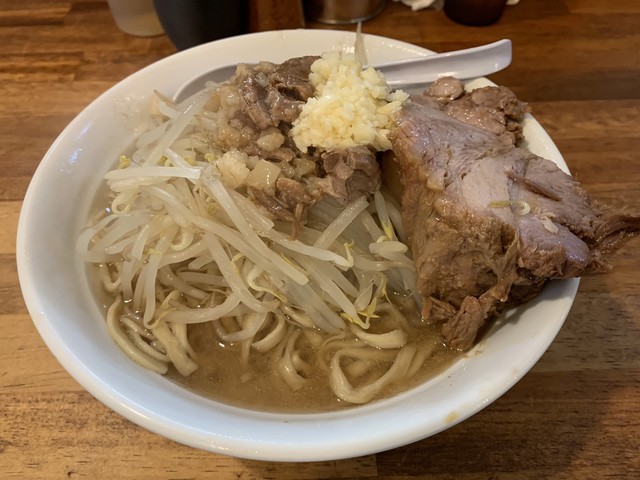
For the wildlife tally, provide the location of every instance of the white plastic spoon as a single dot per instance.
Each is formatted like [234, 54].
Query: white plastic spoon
[463, 64]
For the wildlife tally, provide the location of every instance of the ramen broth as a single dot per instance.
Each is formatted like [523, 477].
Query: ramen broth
[323, 350]
[222, 377]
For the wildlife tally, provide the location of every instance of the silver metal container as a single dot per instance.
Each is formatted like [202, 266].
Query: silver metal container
[338, 12]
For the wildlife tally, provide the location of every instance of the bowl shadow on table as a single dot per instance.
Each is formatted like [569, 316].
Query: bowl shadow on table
[546, 421]
[541, 425]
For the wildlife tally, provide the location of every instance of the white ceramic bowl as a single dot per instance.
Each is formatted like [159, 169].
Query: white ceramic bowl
[66, 314]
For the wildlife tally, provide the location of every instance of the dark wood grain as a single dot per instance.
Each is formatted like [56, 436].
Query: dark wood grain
[574, 416]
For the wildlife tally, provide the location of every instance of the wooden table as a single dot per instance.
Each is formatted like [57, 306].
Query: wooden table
[574, 416]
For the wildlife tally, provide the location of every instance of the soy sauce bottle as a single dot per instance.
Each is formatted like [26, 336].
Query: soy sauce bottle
[474, 12]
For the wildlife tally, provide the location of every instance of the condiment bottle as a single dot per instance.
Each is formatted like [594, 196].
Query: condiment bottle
[474, 12]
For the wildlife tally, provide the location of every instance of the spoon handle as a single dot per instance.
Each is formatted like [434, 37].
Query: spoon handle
[462, 64]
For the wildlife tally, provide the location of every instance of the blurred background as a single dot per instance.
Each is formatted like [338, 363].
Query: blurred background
[191, 22]
[574, 416]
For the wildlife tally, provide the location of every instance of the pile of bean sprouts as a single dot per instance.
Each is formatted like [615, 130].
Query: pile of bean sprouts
[177, 246]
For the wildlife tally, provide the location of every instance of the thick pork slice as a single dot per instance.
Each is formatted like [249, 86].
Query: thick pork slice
[490, 223]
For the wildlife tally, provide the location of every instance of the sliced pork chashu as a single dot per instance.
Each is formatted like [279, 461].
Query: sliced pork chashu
[490, 223]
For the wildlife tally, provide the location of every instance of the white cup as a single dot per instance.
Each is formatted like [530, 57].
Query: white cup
[136, 17]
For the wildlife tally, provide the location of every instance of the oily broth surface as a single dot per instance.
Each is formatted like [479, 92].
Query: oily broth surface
[221, 376]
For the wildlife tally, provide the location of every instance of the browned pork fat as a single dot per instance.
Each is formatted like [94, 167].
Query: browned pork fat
[274, 93]
[495, 109]
[350, 173]
[490, 223]
[272, 96]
